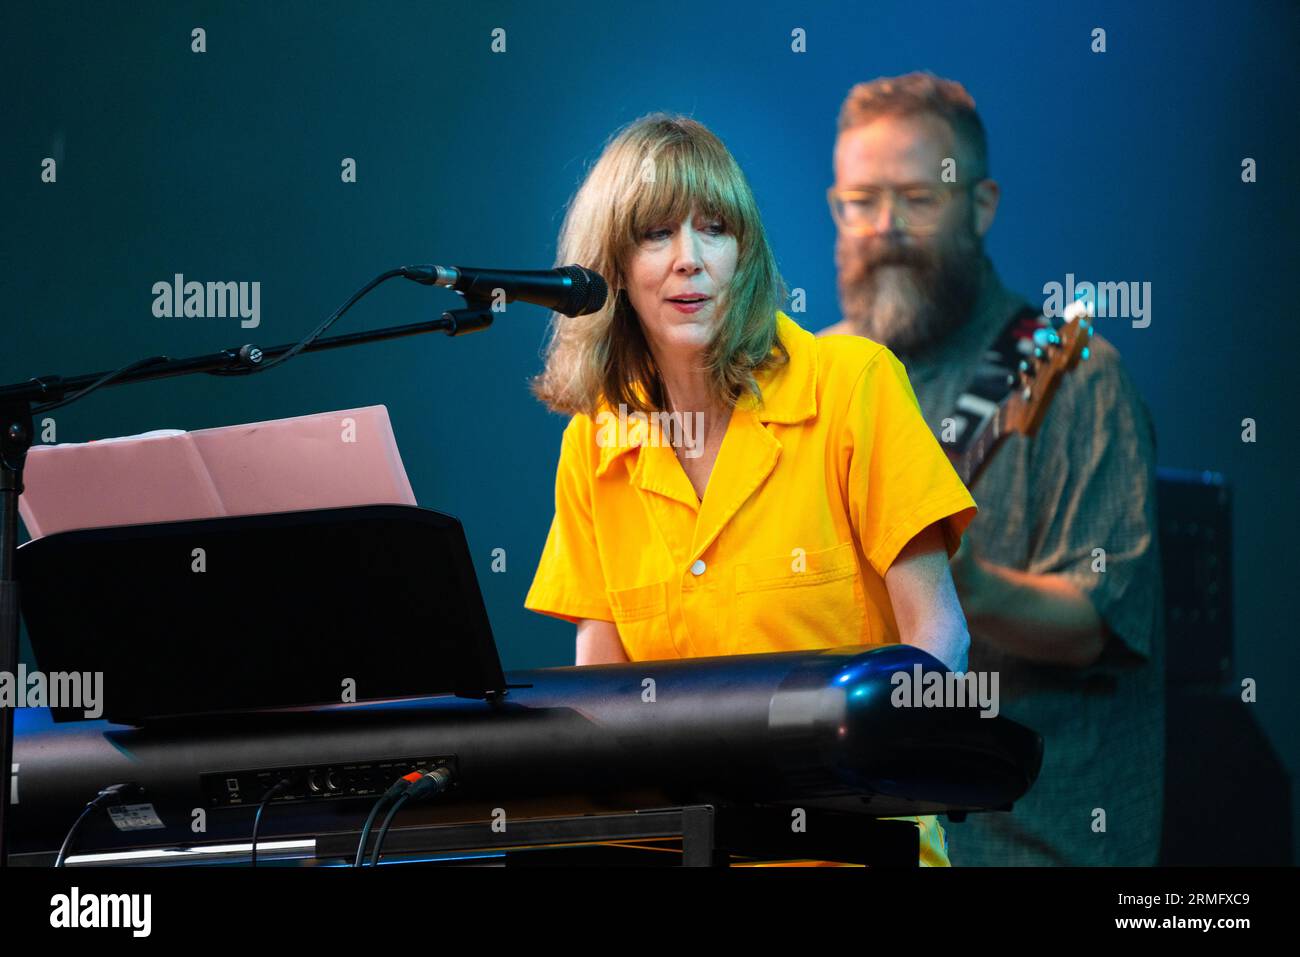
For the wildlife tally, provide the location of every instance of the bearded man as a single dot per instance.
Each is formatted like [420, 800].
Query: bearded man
[1059, 573]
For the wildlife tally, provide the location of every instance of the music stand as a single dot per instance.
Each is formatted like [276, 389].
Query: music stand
[252, 612]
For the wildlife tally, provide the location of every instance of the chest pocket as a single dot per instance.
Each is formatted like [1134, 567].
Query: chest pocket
[641, 614]
[800, 600]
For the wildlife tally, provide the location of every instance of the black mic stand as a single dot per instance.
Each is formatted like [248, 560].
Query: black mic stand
[16, 409]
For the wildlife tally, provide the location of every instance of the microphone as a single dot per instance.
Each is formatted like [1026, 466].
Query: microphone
[569, 290]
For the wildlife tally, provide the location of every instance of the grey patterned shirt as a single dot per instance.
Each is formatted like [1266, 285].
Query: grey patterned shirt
[1086, 481]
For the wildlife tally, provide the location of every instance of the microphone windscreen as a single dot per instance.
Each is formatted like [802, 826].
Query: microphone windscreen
[587, 294]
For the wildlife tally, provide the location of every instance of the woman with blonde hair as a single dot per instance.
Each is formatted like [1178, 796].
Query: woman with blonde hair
[728, 483]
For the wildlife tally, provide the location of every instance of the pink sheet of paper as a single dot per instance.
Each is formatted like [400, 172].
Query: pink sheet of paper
[327, 460]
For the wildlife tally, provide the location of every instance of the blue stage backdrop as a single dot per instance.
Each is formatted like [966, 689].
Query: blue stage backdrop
[471, 124]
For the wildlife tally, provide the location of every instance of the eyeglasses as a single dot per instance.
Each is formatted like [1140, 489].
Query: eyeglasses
[913, 209]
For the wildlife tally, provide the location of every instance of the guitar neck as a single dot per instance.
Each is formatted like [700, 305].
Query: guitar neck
[1022, 411]
[972, 463]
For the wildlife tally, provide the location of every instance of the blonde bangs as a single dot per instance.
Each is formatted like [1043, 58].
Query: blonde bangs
[654, 172]
[684, 174]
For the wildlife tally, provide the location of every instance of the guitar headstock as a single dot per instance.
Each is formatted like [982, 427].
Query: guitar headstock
[1056, 352]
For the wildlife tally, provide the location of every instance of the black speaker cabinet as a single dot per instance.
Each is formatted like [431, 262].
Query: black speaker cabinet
[1195, 520]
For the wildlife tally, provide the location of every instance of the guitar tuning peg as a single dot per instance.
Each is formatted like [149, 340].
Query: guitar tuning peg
[1024, 365]
[1043, 336]
[1090, 332]
[1086, 352]
[1026, 393]
[1039, 353]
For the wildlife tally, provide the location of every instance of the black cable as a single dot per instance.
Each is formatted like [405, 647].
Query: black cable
[257, 819]
[67, 840]
[113, 794]
[383, 829]
[316, 333]
[365, 831]
[429, 783]
[248, 370]
[101, 381]
[400, 786]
